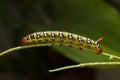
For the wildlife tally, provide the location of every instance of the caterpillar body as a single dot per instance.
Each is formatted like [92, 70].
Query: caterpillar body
[62, 37]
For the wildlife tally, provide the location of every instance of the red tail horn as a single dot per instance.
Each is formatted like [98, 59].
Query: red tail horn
[100, 40]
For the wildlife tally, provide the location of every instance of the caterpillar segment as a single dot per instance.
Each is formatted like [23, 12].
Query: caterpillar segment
[62, 37]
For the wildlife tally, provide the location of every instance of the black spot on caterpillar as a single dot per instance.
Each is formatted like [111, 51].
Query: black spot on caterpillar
[62, 38]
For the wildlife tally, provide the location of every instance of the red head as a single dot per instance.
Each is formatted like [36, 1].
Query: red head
[23, 40]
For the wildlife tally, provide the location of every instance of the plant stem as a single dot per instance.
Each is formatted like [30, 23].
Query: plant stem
[86, 65]
[38, 45]
[22, 47]
[67, 67]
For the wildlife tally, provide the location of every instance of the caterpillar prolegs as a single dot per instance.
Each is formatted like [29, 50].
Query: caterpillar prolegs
[62, 37]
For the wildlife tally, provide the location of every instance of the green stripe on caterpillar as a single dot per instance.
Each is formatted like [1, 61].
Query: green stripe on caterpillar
[62, 37]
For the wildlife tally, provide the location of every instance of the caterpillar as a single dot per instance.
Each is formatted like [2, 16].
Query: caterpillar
[62, 37]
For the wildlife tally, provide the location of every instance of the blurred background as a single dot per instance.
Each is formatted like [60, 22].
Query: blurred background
[90, 18]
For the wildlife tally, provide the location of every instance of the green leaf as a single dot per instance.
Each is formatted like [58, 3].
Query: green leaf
[90, 18]
[93, 19]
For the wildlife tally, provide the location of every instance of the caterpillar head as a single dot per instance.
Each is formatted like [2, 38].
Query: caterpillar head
[23, 40]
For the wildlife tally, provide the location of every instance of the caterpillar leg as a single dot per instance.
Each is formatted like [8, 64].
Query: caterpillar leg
[61, 43]
[52, 43]
[81, 48]
[71, 44]
[99, 51]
